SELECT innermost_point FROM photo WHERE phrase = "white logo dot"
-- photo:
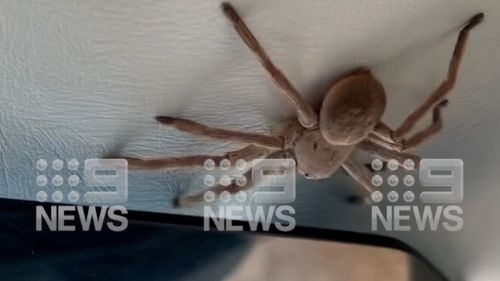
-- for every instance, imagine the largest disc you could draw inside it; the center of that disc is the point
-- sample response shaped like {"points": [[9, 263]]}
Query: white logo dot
{"points": [[241, 164], [393, 180], [225, 180], [73, 180], [393, 164], [209, 196], [209, 180], [209, 164], [225, 196], [73, 196], [41, 196], [409, 196], [377, 180], [73, 164], [377, 196], [57, 180], [409, 180], [57, 196], [225, 164], [42, 180], [241, 196], [241, 180], [377, 164], [41, 164], [57, 164], [409, 164], [393, 196]]}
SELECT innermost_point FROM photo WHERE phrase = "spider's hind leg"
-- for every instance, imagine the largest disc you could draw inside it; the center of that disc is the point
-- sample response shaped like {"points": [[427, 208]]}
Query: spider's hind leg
{"points": [[385, 133], [306, 113], [447, 85]]}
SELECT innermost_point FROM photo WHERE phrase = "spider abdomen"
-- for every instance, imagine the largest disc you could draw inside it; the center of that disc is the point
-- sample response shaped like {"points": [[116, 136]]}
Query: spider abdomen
{"points": [[351, 108]]}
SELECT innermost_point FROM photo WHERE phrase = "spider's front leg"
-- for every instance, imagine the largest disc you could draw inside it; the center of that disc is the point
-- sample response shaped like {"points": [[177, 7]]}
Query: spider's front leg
{"points": [[270, 142], [233, 188], [359, 173], [387, 154], [247, 153], [197, 198]]}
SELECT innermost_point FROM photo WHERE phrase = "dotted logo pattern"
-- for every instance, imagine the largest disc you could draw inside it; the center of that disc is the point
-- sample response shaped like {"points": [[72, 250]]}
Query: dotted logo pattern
{"points": [[225, 180], [393, 181], [57, 180]]}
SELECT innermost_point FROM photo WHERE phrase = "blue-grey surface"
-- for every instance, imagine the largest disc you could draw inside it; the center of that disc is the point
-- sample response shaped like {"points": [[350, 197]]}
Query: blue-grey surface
{"points": [[83, 79], [145, 251]]}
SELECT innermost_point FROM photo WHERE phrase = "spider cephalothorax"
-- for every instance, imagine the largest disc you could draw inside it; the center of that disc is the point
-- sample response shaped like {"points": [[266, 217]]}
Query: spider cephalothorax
{"points": [[321, 141]]}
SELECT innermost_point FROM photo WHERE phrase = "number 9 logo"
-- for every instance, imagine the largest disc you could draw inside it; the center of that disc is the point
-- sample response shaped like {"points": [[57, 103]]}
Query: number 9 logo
{"points": [[442, 173], [106, 173]]}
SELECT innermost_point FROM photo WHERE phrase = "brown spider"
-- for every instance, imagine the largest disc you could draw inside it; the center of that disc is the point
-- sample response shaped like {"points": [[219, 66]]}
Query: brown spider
{"points": [[321, 141]]}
